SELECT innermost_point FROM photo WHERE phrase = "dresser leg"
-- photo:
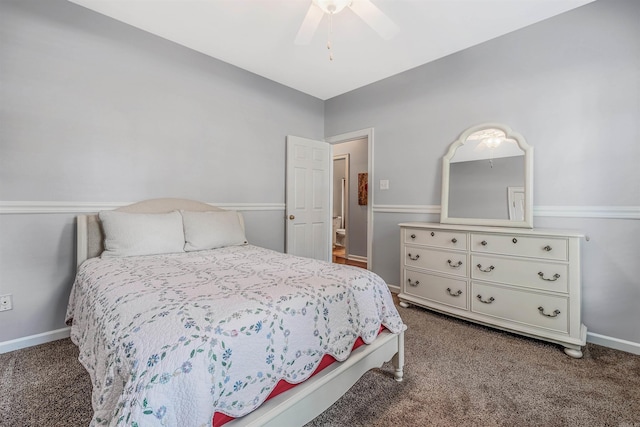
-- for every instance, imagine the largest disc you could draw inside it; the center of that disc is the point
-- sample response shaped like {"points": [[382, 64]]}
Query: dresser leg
{"points": [[404, 304], [576, 354]]}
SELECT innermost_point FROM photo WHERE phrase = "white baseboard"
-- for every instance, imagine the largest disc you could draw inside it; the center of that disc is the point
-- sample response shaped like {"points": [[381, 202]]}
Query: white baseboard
{"points": [[45, 337], [357, 258], [605, 341], [615, 343], [394, 289], [30, 341]]}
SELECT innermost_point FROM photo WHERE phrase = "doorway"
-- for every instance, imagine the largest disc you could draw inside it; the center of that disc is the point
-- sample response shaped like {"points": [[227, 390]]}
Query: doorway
{"points": [[351, 199], [340, 214]]}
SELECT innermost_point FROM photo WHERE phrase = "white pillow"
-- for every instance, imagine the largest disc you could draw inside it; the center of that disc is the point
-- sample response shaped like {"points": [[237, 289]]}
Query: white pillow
{"points": [[212, 229], [129, 234]]}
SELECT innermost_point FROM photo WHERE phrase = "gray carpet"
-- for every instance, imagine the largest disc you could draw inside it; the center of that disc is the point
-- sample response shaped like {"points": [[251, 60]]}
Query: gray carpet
{"points": [[456, 373]]}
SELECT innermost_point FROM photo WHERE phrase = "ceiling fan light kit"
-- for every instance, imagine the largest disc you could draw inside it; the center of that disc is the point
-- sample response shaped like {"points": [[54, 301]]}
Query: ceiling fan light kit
{"points": [[366, 10]]}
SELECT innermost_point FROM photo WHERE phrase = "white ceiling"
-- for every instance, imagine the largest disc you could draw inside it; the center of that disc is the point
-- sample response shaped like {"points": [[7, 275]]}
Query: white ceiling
{"points": [[258, 35]]}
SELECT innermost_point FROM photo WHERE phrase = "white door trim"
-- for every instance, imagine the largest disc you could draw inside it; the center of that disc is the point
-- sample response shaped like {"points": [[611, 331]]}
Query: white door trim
{"points": [[351, 136]]}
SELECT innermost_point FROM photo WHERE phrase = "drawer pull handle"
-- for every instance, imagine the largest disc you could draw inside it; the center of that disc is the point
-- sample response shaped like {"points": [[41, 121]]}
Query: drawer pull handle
{"points": [[489, 301], [457, 294], [485, 270], [483, 243], [514, 240], [554, 314], [413, 258], [433, 234], [413, 236], [547, 248], [553, 279], [416, 283], [454, 240], [459, 263]]}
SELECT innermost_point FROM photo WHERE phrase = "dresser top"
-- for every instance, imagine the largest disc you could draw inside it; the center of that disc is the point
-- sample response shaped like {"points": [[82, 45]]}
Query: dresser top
{"points": [[497, 230]]}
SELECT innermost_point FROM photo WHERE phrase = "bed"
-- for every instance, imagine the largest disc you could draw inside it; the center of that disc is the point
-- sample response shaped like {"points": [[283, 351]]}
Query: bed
{"points": [[171, 337]]}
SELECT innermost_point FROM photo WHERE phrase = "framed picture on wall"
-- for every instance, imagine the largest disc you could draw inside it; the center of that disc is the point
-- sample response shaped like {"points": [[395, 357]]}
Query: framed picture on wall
{"points": [[363, 190]]}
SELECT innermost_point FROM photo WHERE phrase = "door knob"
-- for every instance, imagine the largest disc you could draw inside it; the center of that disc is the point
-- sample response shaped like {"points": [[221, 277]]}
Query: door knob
{"points": [[292, 217]]}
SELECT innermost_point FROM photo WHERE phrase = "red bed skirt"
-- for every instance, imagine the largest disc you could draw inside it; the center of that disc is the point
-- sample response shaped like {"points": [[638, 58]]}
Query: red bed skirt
{"points": [[282, 386]]}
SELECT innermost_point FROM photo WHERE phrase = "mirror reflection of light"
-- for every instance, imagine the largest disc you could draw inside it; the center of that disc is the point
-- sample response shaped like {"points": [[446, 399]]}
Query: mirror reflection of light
{"points": [[492, 143], [485, 144]]}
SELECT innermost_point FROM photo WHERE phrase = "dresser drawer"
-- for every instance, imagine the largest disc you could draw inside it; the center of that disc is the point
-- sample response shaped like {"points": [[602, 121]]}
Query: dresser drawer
{"points": [[528, 308], [518, 245], [529, 273], [437, 238], [443, 290], [449, 262]]}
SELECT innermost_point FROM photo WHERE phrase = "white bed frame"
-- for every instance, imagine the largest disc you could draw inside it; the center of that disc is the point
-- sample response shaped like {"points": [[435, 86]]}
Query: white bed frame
{"points": [[301, 404]]}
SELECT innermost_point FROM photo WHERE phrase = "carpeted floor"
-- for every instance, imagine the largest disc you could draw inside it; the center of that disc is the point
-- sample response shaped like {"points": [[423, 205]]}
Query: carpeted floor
{"points": [[456, 373]]}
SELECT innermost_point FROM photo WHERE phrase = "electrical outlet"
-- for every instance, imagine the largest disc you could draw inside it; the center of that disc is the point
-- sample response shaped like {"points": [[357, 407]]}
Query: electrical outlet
{"points": [[5, 302]]}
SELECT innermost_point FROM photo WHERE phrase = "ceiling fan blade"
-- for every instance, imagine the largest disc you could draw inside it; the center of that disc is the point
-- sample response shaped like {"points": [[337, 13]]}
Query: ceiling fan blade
{"points": [[373, 16], [309, 25]]}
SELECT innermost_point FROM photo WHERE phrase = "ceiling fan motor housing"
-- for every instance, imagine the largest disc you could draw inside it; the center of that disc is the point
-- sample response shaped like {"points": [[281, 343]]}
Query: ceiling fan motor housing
{"points": [[332, 6]]}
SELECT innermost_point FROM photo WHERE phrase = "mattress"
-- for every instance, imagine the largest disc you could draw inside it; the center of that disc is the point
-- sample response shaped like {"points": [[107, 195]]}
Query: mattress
{"points": [[172, 339]]}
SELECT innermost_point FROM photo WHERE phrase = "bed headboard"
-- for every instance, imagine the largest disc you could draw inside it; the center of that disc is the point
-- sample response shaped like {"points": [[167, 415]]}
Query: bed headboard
{"points": [[90, 236]]}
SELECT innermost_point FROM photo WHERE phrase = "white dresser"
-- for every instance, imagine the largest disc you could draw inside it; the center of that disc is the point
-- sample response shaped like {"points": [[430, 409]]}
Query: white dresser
{"points": [[525, 281]]}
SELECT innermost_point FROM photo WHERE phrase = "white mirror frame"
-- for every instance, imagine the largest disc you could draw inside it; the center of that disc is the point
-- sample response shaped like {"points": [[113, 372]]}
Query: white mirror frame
{"points": [[528, 180]]}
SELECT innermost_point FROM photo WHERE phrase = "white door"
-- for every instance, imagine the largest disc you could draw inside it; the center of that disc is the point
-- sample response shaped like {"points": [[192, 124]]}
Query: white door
{"points": [[516, 203], [308, 198]]}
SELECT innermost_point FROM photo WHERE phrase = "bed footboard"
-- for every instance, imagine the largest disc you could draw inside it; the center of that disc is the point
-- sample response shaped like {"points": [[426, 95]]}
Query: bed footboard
{"points": [[306, 401]]}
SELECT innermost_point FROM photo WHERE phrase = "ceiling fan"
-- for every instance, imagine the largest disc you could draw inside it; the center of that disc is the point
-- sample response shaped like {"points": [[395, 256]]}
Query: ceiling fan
{"points": [[366, 10]]}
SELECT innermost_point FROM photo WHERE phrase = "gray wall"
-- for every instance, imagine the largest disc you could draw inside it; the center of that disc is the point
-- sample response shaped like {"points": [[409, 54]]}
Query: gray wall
{"points": [[357, 221], [93, 110], [571, 86]]}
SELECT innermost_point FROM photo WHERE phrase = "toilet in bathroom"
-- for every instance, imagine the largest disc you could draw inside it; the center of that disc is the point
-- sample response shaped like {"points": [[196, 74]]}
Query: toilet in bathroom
{"points": [[338, 231]]}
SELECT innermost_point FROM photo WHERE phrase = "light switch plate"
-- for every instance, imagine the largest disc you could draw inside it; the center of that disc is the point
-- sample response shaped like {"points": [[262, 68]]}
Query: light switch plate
{"points": [[5, 302]]}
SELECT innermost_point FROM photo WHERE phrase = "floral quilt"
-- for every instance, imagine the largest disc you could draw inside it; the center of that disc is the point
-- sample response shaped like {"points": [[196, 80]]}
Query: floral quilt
{"points": [[170, 339]]}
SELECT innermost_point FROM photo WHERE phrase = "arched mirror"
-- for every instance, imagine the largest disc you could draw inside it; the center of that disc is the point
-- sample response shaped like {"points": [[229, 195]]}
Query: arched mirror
{"points": [[487, 178]]}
